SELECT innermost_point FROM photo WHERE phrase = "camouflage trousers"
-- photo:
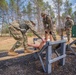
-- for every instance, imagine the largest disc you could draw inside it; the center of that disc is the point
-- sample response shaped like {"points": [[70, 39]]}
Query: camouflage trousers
{"points": [[68, 33], [52, 32], [21, 39]]}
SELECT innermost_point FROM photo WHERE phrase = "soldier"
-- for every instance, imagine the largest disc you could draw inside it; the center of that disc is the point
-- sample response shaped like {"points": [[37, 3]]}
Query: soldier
{"points": [[68, 26], [47, 22], [18, 30]]}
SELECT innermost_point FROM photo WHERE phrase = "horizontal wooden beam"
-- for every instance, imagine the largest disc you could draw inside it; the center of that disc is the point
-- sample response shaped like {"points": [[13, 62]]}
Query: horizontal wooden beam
{"points": [[19, 55], [56, 59], [57, 42]]}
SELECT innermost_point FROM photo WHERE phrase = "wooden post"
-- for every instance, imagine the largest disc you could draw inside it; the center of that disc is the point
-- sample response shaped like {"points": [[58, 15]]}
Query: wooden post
{"points": [[62, 52], [48, 57]]}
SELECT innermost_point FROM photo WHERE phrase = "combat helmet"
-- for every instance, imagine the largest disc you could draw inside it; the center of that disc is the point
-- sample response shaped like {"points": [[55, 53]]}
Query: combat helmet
{"points": [[43, 13], [68, 16]]}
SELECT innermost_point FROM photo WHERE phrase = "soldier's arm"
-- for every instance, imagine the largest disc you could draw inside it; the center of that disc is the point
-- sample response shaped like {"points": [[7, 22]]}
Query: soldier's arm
{"points": [[44, 25], [72, 22], [30, 25], [32, 29], [17, 28]]}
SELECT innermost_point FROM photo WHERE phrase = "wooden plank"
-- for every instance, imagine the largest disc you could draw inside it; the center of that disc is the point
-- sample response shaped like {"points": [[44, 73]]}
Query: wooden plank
{"points": [[56, 59], [57, 42], [19, 55]]}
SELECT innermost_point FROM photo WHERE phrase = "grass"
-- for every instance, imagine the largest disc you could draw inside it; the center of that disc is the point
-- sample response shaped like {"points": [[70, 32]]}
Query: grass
{"points": [[29, 34]]}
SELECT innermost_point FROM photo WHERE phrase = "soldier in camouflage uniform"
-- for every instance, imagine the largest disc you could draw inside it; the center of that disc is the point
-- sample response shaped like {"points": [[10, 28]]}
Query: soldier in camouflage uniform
{"points": [[47, 22], [68, 26], [18, 30]]}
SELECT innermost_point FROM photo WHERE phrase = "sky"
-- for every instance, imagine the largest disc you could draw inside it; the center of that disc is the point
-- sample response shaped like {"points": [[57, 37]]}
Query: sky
{"points": [[71, 1]]}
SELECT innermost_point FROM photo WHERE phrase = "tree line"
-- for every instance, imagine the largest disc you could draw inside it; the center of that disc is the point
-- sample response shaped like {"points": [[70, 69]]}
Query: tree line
{"points": [[31, 10]]}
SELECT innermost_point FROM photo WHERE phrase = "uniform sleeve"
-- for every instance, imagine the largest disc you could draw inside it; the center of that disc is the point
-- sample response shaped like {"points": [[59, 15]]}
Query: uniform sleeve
{"points": [[65, 24], [49, 20], [15, 24], [44, 24], [33, 30], [72, 22]]}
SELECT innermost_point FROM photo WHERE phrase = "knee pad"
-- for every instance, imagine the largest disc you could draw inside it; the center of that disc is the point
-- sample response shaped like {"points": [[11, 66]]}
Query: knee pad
{"points": [[50, 32], [46, 32]]}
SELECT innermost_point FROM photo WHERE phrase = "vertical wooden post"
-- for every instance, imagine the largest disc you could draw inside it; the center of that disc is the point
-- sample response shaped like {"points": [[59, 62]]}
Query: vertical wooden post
{"points": [[48, 57], [62, 52]]}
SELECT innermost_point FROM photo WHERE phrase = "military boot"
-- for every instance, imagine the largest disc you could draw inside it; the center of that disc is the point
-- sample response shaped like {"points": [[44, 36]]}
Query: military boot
{"points": [[12, 53], [28, 51]]}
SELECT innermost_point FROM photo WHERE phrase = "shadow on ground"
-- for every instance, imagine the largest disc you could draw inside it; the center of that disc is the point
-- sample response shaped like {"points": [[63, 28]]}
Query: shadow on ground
{"points": [[28, 65]]}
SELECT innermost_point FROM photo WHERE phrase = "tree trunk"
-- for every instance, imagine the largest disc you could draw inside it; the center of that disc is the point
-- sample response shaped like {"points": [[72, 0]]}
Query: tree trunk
{"points": [[2, 23]]}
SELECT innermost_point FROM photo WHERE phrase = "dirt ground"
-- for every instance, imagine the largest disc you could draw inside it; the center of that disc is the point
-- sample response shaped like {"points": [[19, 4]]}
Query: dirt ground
{"points": [[7, 42], [28, 65]]}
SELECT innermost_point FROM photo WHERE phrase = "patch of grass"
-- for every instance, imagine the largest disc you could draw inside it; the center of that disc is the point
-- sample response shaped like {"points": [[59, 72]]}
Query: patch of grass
{"points": [[30, 34]]}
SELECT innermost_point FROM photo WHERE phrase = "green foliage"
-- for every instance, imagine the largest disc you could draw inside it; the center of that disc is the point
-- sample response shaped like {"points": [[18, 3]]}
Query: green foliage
{"points": [[67, 7], [24, 11], [40, 3], [5, 28], [75, 12], [3, 5], [29, 10], [29, 34], [13, 5]]}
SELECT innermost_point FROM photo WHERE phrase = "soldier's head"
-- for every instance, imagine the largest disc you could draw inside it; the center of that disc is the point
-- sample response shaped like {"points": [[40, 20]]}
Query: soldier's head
{"points": [[43, 14], [68, 17]]}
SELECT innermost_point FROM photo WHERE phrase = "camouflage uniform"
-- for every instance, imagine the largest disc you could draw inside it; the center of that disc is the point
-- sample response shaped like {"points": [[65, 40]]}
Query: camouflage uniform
{"points": [[68, 26], [18, 30], [48, 26]]}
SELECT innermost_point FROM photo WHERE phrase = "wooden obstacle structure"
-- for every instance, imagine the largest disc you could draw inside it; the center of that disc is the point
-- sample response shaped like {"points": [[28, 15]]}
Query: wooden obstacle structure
{"points": [[49, 50]]}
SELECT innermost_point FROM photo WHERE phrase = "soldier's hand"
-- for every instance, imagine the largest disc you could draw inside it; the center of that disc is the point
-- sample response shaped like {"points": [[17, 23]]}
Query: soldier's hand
{"points": [[43, 40]]}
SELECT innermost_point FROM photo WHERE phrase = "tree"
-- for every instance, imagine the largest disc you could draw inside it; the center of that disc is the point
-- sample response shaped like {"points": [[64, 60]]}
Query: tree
{"points": [[39, 7], [13, 6], [29, 10], [58, 5], [24, 12], [3, 9], [68, 8], [49, 10], [75, 17]]}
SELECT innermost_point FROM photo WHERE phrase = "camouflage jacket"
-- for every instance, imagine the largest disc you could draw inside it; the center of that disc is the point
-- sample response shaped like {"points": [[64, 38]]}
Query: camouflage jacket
{"points": [[24, 26], [69, 23], [47, 22]]}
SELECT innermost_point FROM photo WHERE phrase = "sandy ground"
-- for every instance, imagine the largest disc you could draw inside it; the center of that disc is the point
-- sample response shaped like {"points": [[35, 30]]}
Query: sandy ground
{"points": [[7, 42]]}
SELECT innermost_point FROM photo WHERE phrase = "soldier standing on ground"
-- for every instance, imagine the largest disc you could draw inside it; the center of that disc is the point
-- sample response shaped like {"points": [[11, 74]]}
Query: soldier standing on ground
{"points": [[68, 27], [47, 22], [18, 30]]}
